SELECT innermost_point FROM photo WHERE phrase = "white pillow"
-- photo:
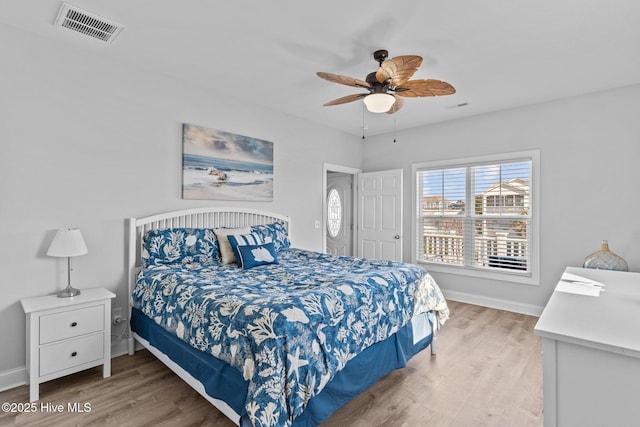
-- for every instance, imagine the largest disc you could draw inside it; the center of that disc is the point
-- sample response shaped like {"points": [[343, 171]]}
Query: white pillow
{"points": [[226, 253]]}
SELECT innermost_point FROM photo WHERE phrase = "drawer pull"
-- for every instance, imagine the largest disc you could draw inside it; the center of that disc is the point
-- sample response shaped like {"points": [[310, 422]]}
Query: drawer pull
{"points": [[74, 324], [74, 354]]}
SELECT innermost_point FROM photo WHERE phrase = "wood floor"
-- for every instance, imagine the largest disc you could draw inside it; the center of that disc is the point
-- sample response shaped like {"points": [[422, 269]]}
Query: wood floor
{"points": [[487, 372]]}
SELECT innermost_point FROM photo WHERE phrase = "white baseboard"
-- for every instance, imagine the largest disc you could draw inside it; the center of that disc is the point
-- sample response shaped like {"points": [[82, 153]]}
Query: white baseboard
{"points": [[119, 348], [497, 303], [13, 378]]}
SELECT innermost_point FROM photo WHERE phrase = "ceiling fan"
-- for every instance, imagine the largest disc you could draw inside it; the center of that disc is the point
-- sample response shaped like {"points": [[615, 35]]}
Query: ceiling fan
{"points": [[389, 84]]}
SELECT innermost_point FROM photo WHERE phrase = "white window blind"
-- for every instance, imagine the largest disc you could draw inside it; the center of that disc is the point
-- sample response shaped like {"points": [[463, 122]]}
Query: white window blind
{"points": [[476, 215]]}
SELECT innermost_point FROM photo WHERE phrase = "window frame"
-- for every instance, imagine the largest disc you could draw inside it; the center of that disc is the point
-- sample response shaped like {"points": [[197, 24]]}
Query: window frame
{"points": [[467, 270]]}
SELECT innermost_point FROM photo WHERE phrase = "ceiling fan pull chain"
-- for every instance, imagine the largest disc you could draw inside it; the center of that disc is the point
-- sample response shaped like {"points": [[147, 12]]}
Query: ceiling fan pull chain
{"points": [[394, 129], [363, 121]]}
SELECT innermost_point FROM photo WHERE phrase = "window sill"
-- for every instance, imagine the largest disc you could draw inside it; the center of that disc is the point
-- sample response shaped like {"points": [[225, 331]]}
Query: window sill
{"points": [[532, 280]]}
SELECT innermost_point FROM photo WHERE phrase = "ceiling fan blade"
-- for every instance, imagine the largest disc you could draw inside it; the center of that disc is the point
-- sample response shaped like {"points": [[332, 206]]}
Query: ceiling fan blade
{"points": [[396, 105], [345, 99], [398, 70], [344, 80], [427, 87]]}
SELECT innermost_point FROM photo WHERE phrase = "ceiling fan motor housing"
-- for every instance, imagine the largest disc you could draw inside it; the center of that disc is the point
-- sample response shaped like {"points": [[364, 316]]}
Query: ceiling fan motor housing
{"points": [[376, 86]]}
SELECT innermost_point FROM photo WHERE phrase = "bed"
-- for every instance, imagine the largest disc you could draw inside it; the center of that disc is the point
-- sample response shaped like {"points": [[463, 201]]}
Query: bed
{"points": [[270, 334]]}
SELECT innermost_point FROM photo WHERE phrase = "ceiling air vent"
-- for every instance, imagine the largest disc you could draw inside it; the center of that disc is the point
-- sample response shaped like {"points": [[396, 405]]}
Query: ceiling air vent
{"points": [[86, 23]]}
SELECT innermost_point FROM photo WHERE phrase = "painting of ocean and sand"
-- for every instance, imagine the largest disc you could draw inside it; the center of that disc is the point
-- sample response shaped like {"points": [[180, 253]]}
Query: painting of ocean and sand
{"points": [[218, 165]]}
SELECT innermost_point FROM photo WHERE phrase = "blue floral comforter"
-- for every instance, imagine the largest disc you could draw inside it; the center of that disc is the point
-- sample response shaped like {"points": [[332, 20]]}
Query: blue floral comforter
{"points": [[288, 327]]}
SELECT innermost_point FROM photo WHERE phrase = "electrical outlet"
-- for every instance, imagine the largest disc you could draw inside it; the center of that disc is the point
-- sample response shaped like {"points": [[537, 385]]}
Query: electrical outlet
{"points": [[116, 316]]}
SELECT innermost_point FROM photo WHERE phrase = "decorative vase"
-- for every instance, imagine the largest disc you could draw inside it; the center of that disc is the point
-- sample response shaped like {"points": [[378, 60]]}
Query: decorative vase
{"points": [[604, 259]]}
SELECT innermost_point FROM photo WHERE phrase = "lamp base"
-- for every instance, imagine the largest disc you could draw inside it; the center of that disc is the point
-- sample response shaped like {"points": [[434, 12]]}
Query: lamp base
{"points": [[68, 292]]}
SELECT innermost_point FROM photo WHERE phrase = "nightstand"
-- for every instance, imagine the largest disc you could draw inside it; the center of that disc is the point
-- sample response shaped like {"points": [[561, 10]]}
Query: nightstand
{"points": [[67, 335]]}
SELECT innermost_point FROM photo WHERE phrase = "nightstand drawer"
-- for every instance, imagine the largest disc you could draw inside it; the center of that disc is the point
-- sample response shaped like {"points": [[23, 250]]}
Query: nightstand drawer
{"points": [[72, 323], [67, 354]]}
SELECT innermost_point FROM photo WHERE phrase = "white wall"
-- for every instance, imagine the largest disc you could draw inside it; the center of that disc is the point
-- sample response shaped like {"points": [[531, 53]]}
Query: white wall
{"points": [[88, 142], [590, 171]]}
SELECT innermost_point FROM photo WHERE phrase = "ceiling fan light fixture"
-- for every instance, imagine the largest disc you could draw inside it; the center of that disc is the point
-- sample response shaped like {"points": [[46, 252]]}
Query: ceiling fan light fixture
{"points": [[379, 102]]}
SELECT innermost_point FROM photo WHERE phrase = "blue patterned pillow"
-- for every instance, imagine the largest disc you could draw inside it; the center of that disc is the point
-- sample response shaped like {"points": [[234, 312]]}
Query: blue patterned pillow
{"points": [[275, 232], [236, 240], [180, 246], [250, 256]]}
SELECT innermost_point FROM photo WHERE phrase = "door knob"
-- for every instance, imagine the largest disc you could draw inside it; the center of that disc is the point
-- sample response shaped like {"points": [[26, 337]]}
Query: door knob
{"points": [[397, 236]]}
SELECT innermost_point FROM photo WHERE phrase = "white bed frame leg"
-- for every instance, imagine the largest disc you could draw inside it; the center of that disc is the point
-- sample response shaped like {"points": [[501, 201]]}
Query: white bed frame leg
{"points": [[433, 340]]}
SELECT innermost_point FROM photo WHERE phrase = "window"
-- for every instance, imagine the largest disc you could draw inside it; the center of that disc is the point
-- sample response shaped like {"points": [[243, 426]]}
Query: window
{"points": [[478, 216], [334, 213]]}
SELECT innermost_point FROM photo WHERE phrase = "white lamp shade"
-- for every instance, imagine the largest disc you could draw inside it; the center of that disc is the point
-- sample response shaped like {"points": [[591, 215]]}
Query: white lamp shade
{"points": [[67, 242], [379, 102]]}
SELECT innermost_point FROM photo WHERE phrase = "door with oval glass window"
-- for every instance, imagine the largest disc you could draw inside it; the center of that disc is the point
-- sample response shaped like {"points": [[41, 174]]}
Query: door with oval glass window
{"points": [[339, 213]]}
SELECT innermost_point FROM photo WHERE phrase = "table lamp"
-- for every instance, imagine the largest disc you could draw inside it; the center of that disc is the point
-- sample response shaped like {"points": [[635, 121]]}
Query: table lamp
{"points": [[67, 242]]}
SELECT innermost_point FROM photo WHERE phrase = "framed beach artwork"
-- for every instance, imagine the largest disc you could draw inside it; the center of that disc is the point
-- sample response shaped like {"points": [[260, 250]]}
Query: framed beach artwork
{"points": [[218, 165]]}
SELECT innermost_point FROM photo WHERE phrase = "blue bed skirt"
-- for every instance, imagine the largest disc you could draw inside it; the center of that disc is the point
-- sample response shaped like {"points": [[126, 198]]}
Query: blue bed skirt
{"points": [[222, 381]]}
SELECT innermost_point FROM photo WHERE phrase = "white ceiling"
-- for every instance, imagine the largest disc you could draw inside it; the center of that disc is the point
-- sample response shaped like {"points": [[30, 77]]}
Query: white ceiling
{"points": [[497, 54]]}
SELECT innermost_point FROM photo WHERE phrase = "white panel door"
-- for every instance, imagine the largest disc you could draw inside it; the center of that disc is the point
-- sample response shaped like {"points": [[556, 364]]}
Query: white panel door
{"points": [[380, 215]]}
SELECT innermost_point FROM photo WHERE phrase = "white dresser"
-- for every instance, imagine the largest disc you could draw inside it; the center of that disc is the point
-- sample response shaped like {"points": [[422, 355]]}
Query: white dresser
{"points": [[67, 335], [591, 353]]}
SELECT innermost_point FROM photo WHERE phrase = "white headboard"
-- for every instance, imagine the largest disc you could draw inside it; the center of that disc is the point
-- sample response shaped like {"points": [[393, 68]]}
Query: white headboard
{"points": [[213, 217]]}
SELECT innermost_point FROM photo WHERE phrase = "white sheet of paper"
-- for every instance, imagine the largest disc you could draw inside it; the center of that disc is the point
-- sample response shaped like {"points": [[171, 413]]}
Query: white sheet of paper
{"points": [[573, 278], [574, 288]]}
